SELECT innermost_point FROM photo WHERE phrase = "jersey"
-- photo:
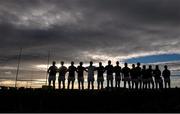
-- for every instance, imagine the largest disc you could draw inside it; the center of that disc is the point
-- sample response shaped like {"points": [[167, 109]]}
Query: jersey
{"points": [[126, 71], [72, 70], [166, 74], [100, 71], [91, 70], [109, 69], [52, 70], [62, 71], [80, 71], [117, 70]]}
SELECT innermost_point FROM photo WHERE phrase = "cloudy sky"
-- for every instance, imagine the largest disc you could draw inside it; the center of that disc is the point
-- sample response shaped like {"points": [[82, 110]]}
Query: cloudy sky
{"points": [[146, 31]]}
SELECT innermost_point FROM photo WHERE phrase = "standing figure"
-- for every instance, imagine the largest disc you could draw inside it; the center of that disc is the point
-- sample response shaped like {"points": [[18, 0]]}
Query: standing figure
{"points": [[100, 77], [166, 75], [52, 74], [71, 78], [157, 76], [109, 70], [126, 75], [134, 77], [144, 77], [117, 70], [150, 77], [91, 70], [62, 73], [80, 72], [138, 73]]}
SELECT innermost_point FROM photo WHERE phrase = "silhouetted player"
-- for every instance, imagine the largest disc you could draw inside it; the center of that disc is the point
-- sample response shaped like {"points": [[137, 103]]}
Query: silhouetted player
{"points": [[100, 77], [157, 76], [52, 74], [91, 70], [62, 73], [117, 70], [138, 73], [166, 75], [71, 78], [126, 75], [109, 70], [80, 71], [150, 77], [144, 77], [134, 77]]}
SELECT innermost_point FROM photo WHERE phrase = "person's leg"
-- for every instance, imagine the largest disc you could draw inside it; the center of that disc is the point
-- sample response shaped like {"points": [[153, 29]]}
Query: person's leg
{"points": [[73, 84], [88, 84], [101, 84], [98, 84], [124, 84], [63, 84], [107, 83], [53, 84], [116, 83], [79, 84], [92, 85], [111, 83], [68, 84], [165, 84], [82, 82], [152, 82], [169, 84], [49, 82], [129, 83], [59, 84]]}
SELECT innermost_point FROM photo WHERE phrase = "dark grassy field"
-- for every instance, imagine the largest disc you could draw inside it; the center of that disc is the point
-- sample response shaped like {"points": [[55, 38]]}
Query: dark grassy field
{"points": [[116, 100]]}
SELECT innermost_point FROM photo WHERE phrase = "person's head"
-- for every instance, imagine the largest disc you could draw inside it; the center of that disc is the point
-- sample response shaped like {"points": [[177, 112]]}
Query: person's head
{"points": [[81, 63], [91, 63], [54, 63], [117, 63], [100, 63], [109, 62], [165, 66], [144, 66], [157, 67], [72, 63], [138, 64], [62, 63], [150, 67], [125, 64], [133, 65]]}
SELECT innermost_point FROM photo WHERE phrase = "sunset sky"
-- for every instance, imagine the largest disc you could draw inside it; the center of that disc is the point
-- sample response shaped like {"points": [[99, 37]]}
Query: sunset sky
{"points": [[146, 31]]}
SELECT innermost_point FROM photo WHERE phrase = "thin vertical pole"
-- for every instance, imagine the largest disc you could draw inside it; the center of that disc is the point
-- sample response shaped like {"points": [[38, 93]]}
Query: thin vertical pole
{"points": [[47, 66], [19, 60]]}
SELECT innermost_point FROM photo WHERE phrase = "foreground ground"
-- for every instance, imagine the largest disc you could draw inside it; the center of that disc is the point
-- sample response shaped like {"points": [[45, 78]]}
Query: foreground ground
{"points": [[116, 100]]}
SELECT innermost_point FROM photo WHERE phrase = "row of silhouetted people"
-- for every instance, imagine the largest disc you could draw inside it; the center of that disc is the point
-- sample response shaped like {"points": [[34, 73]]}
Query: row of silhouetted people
{"points": [[136, 77]]}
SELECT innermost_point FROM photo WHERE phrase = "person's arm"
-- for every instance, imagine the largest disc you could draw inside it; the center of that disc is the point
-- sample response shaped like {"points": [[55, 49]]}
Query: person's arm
{"points": [[48, 70]]}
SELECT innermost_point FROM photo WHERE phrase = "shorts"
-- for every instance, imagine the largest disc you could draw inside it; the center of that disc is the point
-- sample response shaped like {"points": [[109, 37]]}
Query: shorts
{"points": [[150, 80], [139, 79], [71, 78], [90, 79], [100, 79], [118, 78], [145, 80], [158, 80], [126, 79], [166, 79], [80, 79], [61, 78], [109, 77], [52, 78], [134, 80]]}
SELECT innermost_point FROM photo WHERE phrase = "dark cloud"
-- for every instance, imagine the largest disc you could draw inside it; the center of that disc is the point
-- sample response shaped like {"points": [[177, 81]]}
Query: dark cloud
{"points": [[87, 29]]}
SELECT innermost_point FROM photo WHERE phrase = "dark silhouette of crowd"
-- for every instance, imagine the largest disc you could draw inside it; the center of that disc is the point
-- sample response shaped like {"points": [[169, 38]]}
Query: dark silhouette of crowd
{"points": [[135, 77]]}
